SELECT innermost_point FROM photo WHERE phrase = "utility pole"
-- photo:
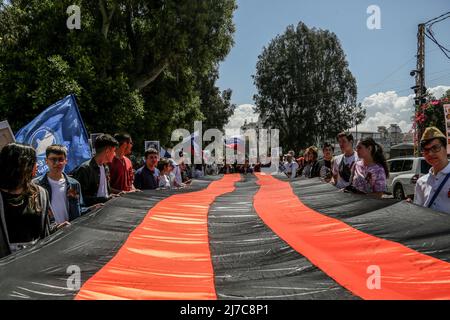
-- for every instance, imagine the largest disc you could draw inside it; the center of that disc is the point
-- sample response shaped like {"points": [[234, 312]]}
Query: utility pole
{"points": [[420, 89]]}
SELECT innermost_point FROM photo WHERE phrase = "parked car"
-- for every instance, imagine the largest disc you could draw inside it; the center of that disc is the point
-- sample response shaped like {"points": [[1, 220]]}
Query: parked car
{"points": [[404, 173]]}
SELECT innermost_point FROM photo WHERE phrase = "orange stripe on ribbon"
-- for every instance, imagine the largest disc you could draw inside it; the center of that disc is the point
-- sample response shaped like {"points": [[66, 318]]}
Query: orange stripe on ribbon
{"points": [[352, 258], [167, 256]]}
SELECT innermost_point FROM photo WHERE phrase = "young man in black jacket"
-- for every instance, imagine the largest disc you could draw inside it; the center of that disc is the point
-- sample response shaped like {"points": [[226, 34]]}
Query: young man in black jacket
{"points": [[93, 174]]}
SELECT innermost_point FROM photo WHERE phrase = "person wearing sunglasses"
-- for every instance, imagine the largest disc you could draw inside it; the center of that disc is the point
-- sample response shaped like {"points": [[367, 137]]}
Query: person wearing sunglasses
{"points": [[64, 192], [433, 189]]}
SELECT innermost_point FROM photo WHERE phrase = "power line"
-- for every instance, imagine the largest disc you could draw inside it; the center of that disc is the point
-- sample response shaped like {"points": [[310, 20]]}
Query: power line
{"points": [[391, 74], [436, 72], [383, 82], [435, 79], [400, 81], [443, 49], [440, 77], [437, 17], [430, 34]]}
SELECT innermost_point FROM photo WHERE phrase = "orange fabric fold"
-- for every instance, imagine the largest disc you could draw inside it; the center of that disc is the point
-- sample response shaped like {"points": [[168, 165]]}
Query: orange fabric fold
{"points": [[167, 256], [352, 258]]}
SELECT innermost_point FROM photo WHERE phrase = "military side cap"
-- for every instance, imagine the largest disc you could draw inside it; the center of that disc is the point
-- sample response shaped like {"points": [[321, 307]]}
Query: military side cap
{"points": [[432, 133]]}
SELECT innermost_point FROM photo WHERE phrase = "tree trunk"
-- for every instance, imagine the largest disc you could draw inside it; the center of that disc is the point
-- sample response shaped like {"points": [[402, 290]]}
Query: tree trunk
{"points": [[144, 80], [106, 17]]}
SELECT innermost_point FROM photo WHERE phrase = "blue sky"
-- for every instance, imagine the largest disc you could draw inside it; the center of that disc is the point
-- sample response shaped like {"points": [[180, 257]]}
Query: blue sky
{"points": [[380, 60]]}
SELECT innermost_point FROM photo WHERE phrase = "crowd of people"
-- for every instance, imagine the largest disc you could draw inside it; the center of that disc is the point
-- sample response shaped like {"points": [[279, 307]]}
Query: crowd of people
{"points": [[245, 168], [32, 208], [363, 168]]}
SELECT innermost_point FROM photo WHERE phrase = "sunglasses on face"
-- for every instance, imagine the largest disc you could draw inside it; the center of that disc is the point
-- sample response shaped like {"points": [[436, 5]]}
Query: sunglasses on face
{"points": [[56, 160], [434, 149]]}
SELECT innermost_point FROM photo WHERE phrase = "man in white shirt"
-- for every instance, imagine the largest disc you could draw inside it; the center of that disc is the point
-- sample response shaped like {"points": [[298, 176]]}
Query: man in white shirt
{"points": [[343, 164], [175, 174], [64, 192], [290, 166], [102, 191], [433, 189], [59, 200]]}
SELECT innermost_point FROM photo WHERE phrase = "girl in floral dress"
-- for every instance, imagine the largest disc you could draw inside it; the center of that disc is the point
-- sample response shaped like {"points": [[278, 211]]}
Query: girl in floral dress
{"points": [[371, 171]]}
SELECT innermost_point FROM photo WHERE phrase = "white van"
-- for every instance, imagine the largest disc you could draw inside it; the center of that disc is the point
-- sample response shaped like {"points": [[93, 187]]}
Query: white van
{"points": [[404, 173]]}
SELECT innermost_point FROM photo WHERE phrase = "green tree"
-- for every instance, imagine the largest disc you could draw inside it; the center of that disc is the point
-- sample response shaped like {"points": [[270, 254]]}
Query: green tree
{"points": [[135, 65], [215, 105], [305, 88], [431, 113]]}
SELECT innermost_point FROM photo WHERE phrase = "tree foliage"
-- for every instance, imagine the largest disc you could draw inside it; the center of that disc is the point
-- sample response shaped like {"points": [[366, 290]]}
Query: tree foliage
{"points": [[305, 88], [431, 113], [135, 65], [216, 104]]}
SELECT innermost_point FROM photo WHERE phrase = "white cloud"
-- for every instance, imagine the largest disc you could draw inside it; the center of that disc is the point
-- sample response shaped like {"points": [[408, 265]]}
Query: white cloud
{"points": [[383, 109], [242, 113], [439, 91], [386, 108]]}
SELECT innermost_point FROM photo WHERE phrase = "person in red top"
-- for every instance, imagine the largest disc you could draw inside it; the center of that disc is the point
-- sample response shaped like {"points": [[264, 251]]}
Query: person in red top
{"points": [[121, 168]]}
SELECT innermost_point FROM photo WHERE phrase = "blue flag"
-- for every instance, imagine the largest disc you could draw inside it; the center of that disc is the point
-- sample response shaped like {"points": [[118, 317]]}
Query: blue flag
{"points": [[60, 123]]}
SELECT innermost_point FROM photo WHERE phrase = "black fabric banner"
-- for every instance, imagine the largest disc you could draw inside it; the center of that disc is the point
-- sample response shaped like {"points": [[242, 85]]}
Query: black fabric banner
{"points": [[249, 259], [418, 228], [251, 262], [89, 243]]}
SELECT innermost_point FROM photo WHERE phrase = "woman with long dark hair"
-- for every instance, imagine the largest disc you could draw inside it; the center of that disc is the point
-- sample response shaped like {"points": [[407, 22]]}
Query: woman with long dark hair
{"points": [[24, 206], [371, 171]]}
